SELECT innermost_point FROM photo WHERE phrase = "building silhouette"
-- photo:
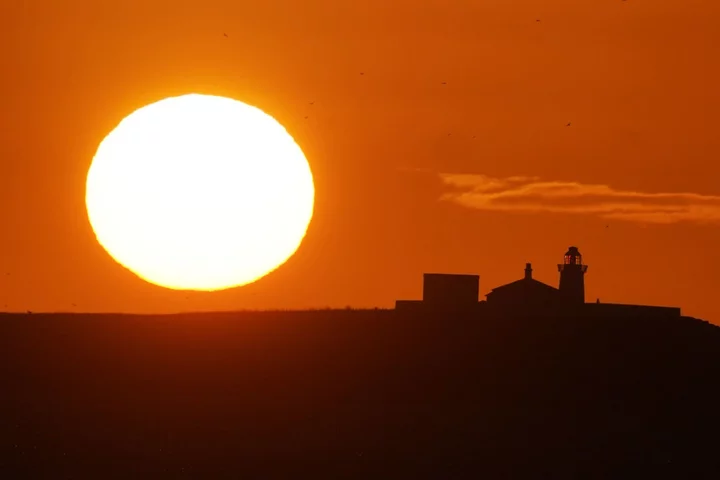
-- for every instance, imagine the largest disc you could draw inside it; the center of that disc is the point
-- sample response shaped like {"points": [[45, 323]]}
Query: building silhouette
{"points": [[572, 277], [450, 292], [532, 293]]}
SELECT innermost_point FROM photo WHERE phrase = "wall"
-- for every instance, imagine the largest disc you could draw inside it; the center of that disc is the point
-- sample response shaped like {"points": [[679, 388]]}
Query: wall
{"points": [[450, 289]]}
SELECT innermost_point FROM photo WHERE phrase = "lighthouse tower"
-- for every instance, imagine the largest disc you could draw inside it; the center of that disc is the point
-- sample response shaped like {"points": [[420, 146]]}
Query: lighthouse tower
{"points": [[572, 277]]}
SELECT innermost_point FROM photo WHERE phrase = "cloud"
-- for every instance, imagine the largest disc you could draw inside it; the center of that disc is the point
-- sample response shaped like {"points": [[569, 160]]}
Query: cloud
{"points": [[533, 195]]}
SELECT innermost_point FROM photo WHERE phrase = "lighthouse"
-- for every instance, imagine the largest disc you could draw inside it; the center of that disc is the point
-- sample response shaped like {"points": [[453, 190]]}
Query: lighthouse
{"points": [[572, 277]]}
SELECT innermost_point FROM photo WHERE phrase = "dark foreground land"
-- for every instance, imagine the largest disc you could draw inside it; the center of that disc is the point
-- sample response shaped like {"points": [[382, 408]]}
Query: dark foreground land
{"points": [[357, 394]]}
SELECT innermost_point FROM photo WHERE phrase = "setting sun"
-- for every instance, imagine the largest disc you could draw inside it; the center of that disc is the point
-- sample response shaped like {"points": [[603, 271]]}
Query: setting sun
{"points": [[200, 193]]}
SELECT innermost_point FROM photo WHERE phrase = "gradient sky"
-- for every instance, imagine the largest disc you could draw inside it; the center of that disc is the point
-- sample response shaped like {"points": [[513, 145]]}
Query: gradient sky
{"points": [[477, 175]]}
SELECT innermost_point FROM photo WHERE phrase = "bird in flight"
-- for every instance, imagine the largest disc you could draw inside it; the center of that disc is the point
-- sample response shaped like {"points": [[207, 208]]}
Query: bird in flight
{"points": [[568, 124]]}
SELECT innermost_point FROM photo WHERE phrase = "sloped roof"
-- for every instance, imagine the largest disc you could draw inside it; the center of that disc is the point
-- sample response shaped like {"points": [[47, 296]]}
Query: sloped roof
{"points": [[525, 284]]}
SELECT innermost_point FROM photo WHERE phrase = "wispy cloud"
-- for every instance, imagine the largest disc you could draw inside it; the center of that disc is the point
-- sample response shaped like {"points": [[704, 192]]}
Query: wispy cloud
{"points": [[533, 195]]}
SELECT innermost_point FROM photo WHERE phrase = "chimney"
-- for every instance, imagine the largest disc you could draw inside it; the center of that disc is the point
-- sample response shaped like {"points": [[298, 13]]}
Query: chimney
{"points": [[528, 271]]}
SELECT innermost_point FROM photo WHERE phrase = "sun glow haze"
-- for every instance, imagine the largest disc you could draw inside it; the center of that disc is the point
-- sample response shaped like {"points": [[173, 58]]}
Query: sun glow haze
{"points": [[200, 192]]}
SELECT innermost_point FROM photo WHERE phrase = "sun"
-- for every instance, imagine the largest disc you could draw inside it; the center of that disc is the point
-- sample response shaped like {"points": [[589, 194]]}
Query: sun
{"points": [[200, 192]]}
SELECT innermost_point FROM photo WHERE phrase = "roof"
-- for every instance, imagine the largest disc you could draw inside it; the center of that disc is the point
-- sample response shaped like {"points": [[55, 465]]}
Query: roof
{"points": [[525, 284], [573, 251], [450, 275]]}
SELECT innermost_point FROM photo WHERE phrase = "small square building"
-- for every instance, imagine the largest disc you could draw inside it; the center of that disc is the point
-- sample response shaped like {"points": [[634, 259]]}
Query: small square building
{"points": [[445, 291], [450, 289]]}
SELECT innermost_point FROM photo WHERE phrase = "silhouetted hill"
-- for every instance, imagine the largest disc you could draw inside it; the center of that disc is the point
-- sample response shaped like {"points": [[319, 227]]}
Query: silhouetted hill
{"points": [[357, 394]]}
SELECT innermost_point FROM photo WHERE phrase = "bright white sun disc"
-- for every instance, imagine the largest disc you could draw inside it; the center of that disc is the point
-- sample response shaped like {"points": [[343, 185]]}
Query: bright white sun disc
{"points": [[200, 192]]}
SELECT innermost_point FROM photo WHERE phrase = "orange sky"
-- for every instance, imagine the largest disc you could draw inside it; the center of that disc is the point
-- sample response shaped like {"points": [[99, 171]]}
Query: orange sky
{"points": [[637, 79]]}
